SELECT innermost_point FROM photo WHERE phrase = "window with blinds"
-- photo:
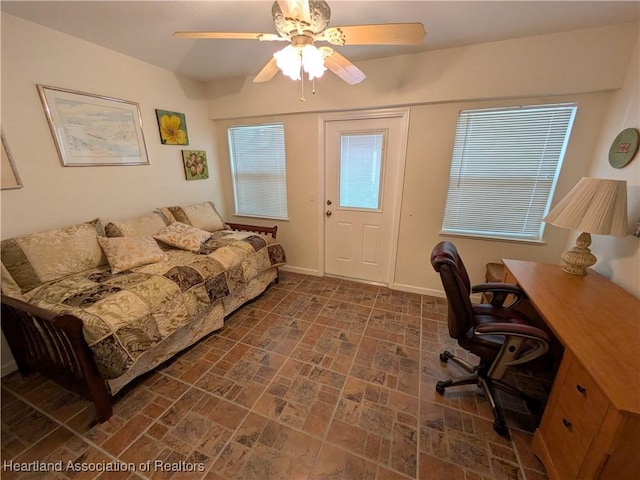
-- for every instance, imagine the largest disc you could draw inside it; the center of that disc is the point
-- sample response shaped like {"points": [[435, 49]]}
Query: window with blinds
{"points": [[258, 169], [504, 169]]}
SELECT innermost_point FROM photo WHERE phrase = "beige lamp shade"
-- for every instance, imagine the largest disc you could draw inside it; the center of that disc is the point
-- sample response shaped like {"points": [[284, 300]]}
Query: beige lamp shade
{"points": [[594, 205]]}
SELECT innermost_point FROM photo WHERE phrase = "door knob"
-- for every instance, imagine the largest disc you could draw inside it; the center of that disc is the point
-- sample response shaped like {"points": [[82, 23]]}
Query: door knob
{"points": [[328, 202], [328, 213]]}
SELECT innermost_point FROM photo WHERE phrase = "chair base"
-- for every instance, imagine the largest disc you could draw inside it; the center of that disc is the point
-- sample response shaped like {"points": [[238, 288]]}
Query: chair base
{"points": [[478, 375]]}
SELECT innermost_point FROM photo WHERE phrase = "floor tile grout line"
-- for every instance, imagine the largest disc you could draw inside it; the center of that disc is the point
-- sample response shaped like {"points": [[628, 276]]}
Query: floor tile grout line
{"points": [[324, 440], [251, 410], [63, 424]]}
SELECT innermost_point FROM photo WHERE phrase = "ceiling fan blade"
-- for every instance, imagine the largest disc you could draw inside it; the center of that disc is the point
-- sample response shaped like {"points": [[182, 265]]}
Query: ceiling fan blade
{"points": [[298, 9], [268, 72], [382, 34], [344, 68], [231, 36]]}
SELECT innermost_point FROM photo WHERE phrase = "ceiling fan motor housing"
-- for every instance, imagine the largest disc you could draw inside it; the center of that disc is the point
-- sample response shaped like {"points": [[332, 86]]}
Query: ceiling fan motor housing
{"points": [[320, 14]]}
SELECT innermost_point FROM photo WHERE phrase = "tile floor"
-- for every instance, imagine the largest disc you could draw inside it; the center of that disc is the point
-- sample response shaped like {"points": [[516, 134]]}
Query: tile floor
{"points": [[317, 379]]}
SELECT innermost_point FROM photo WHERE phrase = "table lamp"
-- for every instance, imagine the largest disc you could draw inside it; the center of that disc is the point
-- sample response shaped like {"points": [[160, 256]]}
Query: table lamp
{"points": [[594, 205]]}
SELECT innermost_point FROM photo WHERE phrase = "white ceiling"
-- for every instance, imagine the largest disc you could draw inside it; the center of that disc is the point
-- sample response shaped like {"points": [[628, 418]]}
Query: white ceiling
{"points": [[143, 29]]}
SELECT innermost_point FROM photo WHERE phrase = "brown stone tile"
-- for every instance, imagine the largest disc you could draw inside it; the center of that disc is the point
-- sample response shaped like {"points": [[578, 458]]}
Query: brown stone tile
{"points": [[270, 299], [124, 436], [47, 449], [31, 427], [347, 436], [15, 382], [344, 316], [328, 347], [289, 280], [277, 333], [399, 302], [356, 293], [394, 327], [241, 322], [337, 382], [387, 364], [319, 286], [242, 374], [336, 464], [300, 306], [437, 469]]}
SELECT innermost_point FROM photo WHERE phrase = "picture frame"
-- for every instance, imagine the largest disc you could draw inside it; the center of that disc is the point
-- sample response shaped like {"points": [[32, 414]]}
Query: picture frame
{"points": [[92, 130], [9, 178], [195, 164], [172, 127]]}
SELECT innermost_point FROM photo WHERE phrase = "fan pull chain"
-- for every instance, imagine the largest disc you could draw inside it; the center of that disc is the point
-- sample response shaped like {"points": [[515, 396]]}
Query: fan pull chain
{"points": [[302, 99], [313, 86]]}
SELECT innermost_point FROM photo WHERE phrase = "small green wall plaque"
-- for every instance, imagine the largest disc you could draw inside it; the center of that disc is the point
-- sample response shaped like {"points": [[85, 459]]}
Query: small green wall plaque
{"points": [[624, 148]]}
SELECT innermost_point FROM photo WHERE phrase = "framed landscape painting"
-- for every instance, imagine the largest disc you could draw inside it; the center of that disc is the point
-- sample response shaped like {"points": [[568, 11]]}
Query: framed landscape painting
{"points": [[195, 164], [9, 175], [92, 129]]}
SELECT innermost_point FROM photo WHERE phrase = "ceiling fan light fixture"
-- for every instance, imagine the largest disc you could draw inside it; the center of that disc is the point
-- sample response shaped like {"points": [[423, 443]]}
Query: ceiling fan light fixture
{"points": [[292, 60], [289, 61], [313, 61]]}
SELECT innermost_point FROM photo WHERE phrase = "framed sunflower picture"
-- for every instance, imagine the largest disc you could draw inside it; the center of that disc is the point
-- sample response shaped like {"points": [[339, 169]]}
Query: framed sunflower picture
{"points": [[195, 164], [173, 128]]}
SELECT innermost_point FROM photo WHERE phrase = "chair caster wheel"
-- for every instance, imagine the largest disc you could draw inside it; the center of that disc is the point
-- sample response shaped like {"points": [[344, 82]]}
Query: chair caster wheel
{"points": [[445, 356], [440, 388], [500, 427]]}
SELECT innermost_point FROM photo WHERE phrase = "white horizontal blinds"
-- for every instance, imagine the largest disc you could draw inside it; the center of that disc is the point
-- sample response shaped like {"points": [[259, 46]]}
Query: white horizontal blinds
{"points": [[504, 169], [258, 167]]}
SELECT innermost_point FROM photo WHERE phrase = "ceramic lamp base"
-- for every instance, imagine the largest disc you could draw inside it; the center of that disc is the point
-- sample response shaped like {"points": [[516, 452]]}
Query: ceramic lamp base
{"points": [[579, 258]]}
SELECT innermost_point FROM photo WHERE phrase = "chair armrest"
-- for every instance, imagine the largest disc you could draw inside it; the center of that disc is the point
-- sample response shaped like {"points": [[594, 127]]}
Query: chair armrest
{"points": [[500, 292], [516, 336], [513, 329]]}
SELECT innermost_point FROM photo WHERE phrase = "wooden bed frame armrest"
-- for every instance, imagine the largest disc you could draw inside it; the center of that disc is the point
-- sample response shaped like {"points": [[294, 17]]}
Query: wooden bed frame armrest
{"points": [[54, 345], [242, 227]]}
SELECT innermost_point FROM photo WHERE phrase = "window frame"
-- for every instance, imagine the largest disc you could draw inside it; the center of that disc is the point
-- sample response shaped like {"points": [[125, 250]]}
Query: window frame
{"points": [[280, 170], [471, 170]]}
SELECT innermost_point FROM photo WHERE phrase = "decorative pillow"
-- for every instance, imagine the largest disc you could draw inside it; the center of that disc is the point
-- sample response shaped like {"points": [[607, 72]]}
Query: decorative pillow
{"points": [[124, 253], [143, 226], [202, 215], [181, 235], [37, 258]]}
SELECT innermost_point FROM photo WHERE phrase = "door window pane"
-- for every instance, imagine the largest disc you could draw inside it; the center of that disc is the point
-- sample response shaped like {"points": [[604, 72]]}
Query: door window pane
{"points": [[360, 170]]}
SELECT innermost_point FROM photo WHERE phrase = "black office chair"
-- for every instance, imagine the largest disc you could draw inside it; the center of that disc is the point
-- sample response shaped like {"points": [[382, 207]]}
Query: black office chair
{"points": [[498, 334]]}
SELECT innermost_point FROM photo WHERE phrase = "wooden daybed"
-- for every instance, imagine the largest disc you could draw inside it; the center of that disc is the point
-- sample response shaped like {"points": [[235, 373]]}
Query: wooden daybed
{"points": [[79, 339]]}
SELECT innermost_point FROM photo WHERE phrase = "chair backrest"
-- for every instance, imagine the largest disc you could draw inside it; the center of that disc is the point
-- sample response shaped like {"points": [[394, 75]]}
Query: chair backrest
{"points": [[455, 280]]}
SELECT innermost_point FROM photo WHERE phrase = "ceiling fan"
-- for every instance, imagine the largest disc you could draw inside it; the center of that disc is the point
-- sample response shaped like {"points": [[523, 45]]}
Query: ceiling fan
{"points": [[304, 22]]}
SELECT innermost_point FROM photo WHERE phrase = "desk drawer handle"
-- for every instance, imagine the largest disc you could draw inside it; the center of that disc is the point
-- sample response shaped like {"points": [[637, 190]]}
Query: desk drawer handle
{"points": [[566, 423], [582, 390]]}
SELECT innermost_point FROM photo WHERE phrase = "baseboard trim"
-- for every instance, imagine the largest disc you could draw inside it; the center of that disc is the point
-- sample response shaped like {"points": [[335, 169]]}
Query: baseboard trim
{"points": [[302, 271], [8, 367], [420, 290]]}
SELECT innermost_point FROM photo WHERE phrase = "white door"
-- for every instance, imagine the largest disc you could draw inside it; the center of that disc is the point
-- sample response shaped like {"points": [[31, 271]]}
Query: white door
{"points": [[364, 164]]}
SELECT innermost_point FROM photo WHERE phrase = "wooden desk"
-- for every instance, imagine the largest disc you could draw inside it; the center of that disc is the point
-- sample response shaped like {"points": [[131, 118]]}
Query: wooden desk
{"points": [[591, 425]]}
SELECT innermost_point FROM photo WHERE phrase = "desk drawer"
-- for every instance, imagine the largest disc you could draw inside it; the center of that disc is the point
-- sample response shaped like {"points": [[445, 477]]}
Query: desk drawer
{"points": [[575, 421], [583, 397]]}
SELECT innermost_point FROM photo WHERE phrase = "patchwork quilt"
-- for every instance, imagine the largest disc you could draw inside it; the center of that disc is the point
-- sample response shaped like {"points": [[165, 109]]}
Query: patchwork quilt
{"points": [[126, 314]]}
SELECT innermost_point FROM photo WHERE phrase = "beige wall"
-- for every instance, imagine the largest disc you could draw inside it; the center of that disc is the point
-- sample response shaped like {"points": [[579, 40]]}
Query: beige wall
{"points": [[55, 196], [584, 66], [430, 145], [619, 258], [571, 62], [435, 84]]}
